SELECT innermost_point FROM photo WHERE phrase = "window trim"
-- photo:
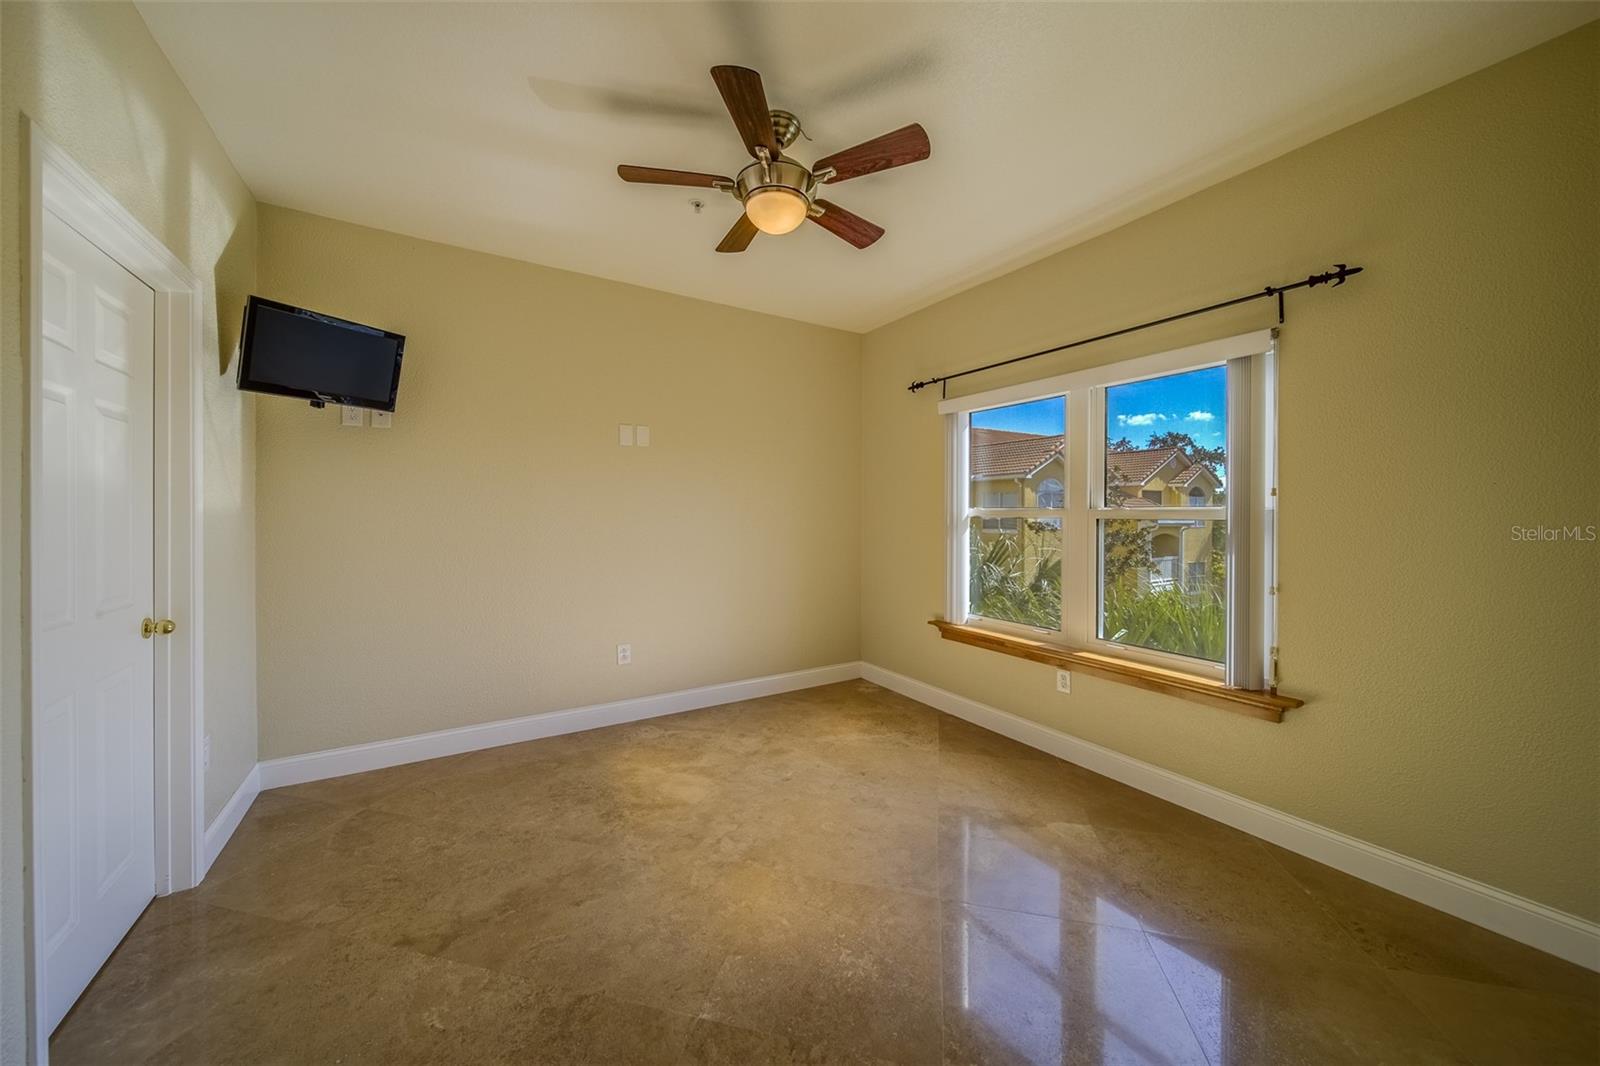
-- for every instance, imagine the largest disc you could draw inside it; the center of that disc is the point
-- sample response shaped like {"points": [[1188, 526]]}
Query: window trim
{"points": [[1249, 507]]}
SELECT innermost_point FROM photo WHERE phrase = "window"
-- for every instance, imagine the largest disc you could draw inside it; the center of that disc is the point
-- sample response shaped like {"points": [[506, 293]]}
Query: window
{"points": [[1014, 551], [1163, 576], [1125, 509]]}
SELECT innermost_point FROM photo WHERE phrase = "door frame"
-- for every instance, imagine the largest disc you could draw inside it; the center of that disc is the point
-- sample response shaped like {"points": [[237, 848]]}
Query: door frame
{"points": [[57, 183]]}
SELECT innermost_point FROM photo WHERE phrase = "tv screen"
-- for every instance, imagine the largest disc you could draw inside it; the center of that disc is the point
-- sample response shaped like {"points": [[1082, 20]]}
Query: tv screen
{"points": [[290, 351]]}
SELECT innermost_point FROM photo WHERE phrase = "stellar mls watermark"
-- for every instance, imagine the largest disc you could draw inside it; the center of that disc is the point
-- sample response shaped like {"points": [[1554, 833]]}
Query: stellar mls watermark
{"points": [[1549, 534]]}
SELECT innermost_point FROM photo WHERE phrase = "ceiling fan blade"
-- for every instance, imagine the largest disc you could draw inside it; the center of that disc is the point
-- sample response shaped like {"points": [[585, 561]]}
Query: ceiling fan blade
{"points": [[908, 144], [841, 223], [747, 103], [739, 237], [658, 176]]}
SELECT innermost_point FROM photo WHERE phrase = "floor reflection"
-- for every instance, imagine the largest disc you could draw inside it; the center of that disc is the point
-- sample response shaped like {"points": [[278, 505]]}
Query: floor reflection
{"points": [[994, 868], [1003, 976], [1205, 999], [999, 974], [1045, 991]]}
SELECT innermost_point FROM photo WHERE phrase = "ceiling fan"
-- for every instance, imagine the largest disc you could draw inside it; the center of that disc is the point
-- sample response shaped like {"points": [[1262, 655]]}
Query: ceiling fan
{"points": [[777, 192]]}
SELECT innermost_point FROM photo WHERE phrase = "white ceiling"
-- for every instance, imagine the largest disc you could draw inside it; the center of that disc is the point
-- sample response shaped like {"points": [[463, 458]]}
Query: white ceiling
{"points": [[489, 126]]}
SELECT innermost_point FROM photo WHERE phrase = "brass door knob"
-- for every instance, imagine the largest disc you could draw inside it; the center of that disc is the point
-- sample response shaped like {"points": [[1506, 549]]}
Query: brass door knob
{"points": [[150, 627]]}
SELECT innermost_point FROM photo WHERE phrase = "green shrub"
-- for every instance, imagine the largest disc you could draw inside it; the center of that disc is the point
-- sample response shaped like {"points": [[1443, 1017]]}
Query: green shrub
{"points": [[1172, 620], [1184, 623], [1001, 586]]}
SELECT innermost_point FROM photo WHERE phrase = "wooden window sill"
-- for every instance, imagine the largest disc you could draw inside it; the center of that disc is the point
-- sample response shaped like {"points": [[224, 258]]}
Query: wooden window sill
{"points": [[1268, 706]]}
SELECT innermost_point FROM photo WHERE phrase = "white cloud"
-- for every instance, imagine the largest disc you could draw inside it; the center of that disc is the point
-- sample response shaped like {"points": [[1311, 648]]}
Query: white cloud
{"points": [[1148, 419], [1201, 416]]}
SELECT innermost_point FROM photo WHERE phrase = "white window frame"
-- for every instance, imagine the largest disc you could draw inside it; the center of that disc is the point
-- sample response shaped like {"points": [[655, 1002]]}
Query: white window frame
{"points": [[1250, 506]]}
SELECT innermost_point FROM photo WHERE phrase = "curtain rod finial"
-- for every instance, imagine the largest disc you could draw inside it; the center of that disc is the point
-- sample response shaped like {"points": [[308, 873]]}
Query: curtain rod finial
{"points": [[1340, 273]]}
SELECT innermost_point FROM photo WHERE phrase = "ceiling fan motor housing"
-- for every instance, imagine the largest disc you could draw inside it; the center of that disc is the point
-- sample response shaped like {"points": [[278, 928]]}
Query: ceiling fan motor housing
{"points": [[785, 126], [781, 173]]}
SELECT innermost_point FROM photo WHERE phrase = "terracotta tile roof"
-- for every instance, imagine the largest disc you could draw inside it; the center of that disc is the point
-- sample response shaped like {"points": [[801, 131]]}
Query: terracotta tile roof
{"points": [[1135, 467], [1189, 475], [1005, 453]]}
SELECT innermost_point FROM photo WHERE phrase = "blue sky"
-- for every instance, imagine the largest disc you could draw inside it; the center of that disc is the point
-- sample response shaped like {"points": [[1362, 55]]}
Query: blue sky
{"points": [[1192, 403], [1040, 416]]}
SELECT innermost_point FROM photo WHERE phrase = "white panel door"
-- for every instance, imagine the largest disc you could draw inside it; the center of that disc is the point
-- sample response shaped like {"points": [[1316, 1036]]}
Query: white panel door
{"points": [[94, 822]]}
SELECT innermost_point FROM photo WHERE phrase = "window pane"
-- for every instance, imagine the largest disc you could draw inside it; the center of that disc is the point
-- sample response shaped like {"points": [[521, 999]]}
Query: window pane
{"points": [[1016, 570], [1163, 586], [1166, 440], [1014, 455]]}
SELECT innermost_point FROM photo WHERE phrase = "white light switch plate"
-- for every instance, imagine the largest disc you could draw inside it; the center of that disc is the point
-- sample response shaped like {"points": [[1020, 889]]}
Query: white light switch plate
{"points": [[641, 436], [625, 435], [351, 416], [382, 419]]}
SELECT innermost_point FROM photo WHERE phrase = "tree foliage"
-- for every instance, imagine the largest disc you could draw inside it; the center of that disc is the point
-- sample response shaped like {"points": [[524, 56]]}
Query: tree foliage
{"points": [[1127, 550], [1214, 458]]}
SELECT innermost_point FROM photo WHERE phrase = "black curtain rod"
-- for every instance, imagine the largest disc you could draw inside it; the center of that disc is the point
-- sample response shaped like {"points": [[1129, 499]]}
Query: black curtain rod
{"points": [[1336, 277]]}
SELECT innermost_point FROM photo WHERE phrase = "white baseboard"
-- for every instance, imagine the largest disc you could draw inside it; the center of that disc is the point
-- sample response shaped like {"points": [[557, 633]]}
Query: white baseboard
{"points": [[1564, 935], [359, 758], [220, 831]]}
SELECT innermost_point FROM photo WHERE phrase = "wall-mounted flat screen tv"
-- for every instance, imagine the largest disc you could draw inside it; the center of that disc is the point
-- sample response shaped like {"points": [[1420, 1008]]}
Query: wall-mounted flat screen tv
{"points": [[290, 351]]}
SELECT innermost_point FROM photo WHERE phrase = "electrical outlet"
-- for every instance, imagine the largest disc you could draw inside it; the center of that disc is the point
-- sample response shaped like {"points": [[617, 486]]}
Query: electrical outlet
{"points": [[352, 416], [205, 752], [1063, 681], [382, 419], [624, 654]]}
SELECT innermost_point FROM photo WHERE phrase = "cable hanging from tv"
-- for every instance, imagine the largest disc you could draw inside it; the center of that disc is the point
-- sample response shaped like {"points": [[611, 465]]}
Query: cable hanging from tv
{"points": [[1335, 277]]}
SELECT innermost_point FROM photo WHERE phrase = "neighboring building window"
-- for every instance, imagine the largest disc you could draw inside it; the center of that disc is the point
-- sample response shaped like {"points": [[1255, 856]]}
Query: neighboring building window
{"points": [[1140, 566], [993, 496]]}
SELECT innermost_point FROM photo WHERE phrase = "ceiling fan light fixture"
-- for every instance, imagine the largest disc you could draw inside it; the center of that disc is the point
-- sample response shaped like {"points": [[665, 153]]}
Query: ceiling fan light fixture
{"points": [[776, 210]]}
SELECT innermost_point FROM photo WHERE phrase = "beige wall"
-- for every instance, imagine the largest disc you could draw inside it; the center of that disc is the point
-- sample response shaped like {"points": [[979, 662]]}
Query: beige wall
{"points": [[95, 80], [1451, 677], [483, 557]]}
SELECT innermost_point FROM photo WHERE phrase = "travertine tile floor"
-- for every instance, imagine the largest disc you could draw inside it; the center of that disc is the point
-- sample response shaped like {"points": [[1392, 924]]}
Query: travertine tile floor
{"points": [[836, 875]]}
